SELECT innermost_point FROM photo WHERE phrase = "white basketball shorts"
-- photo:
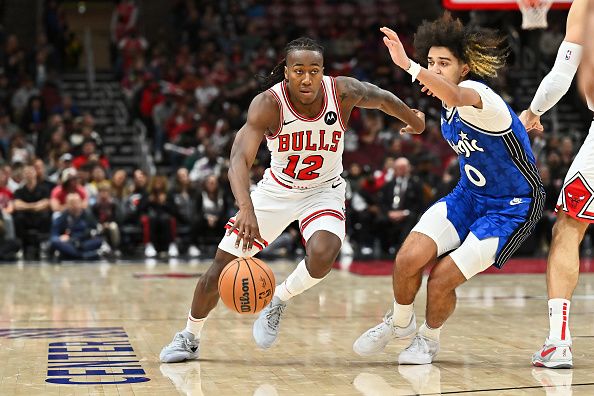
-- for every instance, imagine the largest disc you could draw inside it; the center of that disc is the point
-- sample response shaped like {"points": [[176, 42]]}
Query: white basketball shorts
{"points": [[320, 208], [577, 195]]}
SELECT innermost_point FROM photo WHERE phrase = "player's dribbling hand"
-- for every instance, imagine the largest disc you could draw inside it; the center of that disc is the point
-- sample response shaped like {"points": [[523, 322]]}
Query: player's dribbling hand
{"points": [[531, 121], [411, 130], [395, 47], [246, 225]]}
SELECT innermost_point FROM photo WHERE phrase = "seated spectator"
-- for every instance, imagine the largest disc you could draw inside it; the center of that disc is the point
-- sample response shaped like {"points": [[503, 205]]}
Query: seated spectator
{"points": [[108, 215], [9, 246], [70, 184], [159, 221], [6, 206], [74, 233], [401, 203], [210, 164], [133, 205], [119, 187], [32, 214], [212, 211], [7, 131], [42, 179], [362, 208], [84, 129], [182, 198], [64, 161], [90, 155], [67, 109]]}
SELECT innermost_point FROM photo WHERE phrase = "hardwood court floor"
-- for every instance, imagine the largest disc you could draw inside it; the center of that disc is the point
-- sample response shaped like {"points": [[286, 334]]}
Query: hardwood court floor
{"points": [[66, 324]]}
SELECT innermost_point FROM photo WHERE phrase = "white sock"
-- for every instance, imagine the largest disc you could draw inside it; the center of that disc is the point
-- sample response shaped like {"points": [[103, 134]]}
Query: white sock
{"points": [[428, 332], [559, 319], [296, 283], [194, 326], [401, 314]]}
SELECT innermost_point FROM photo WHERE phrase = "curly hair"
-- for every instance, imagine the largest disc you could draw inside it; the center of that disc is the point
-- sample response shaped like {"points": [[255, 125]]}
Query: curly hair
{"points": [[278, 73], [484, 50]]}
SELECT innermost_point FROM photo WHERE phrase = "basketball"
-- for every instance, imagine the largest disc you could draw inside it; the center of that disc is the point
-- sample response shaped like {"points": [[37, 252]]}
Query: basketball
{"points": [[246, 285]]}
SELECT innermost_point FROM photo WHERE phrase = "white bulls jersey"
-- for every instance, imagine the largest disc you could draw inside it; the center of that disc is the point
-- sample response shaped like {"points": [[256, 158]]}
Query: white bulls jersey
{"points": [[307, 152]]}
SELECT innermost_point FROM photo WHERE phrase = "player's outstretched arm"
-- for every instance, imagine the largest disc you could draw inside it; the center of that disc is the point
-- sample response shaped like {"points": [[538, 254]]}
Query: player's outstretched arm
{"points": [[355, 93], [557, 82], [263, 115], [451, 94], [586, 77]]}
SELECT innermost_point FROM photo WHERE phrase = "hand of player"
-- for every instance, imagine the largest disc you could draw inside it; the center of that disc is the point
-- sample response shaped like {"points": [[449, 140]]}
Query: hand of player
{"points": [[411, 130], [247, 226], [531, 121], [427, 91], [396, 49]]}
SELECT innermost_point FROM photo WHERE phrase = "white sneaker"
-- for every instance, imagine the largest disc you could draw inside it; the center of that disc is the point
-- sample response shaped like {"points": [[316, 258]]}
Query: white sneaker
{"points": [[375, 339], [421, 350], [267, 326], [193, 251], [183, 347], [554, 354], [172, 251], [149, 250]]}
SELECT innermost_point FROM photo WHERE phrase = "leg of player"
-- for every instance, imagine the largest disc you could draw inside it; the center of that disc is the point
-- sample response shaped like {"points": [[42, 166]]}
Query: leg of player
{"points": [[445, 277], [186, 343], [562, 276], [417, 251], [322, 248]]}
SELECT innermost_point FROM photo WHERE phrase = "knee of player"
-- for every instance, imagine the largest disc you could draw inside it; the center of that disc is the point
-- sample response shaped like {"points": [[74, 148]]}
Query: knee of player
{"points": [[405, 262], [440, 281], [319, 260]]}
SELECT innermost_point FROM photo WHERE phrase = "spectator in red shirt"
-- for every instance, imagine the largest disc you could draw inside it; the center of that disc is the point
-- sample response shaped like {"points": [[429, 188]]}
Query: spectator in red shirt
{"points": [[70, 184], [90, 154]]}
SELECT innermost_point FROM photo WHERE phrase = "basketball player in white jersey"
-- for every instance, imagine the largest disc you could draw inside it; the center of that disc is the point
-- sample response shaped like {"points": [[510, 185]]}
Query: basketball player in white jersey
{"points": [[575, 206], [586, 72], [303, 117]]}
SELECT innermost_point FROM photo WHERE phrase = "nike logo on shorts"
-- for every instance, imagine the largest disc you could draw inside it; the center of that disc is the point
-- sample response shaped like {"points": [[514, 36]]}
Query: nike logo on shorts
{"points": [[516, 201]]}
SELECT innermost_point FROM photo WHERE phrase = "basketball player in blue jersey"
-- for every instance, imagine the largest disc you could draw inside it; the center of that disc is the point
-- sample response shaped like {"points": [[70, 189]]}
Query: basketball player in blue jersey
{"points": [[303, 117], [494, 206], [575, 204]]}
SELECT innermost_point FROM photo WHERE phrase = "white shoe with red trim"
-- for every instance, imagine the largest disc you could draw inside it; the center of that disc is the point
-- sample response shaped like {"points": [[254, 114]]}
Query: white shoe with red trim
{"points": [[554, 354]]}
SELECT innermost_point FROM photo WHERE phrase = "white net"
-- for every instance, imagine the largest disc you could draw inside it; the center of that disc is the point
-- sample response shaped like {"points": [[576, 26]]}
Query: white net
{"points": [[534, 13]]}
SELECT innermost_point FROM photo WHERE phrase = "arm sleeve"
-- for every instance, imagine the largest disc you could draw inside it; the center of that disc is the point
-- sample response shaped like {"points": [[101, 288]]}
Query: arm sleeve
{"points": [[494, 115], [557, 82]]}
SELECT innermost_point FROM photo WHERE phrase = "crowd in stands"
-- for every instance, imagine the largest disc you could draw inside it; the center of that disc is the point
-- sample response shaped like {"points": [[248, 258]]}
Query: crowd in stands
{"points": [[191, 88]]}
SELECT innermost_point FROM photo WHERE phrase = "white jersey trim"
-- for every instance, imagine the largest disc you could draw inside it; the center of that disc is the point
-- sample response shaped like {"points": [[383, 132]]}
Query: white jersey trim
{"points": [[280, 112], [295, 112], [337, 104]]}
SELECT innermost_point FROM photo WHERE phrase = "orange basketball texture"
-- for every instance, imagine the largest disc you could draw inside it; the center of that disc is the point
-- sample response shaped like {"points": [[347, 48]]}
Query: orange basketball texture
{"points": [[246, 285]]}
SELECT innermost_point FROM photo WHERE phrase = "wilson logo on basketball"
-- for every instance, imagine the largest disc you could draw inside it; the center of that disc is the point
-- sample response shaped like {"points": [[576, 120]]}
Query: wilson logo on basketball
{"points": [[245, 297], [246, 285]]}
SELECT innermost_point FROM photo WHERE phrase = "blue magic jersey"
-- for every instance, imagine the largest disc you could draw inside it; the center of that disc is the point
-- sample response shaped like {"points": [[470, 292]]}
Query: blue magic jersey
{"points": [[497, 164], [500, 193]]}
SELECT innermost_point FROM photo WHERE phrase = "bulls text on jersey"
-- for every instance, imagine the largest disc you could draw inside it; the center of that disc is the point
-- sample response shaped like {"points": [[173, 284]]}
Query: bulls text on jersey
{"points": [[309, 141]]}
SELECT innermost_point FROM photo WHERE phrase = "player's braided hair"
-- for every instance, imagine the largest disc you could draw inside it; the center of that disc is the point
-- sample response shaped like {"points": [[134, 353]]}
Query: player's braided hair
{"points": [[278, 73], [484, 50]]}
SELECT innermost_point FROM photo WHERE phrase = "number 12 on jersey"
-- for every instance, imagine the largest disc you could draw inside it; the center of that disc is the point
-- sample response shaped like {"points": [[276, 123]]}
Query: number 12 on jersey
{"points": [[313, 162]]}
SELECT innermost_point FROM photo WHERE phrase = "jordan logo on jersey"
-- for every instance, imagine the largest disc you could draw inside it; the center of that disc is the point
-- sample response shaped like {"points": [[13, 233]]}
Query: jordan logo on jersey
{"points": [[465, 146], [309, 141]]}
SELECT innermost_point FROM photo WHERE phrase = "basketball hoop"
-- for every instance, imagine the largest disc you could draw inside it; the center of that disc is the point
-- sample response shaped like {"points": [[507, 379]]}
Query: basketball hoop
{"points": [[534, 13]]}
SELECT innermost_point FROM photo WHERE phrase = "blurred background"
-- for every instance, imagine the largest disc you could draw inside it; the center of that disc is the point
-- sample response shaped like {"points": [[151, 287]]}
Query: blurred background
{"points": [[133, 106]]}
